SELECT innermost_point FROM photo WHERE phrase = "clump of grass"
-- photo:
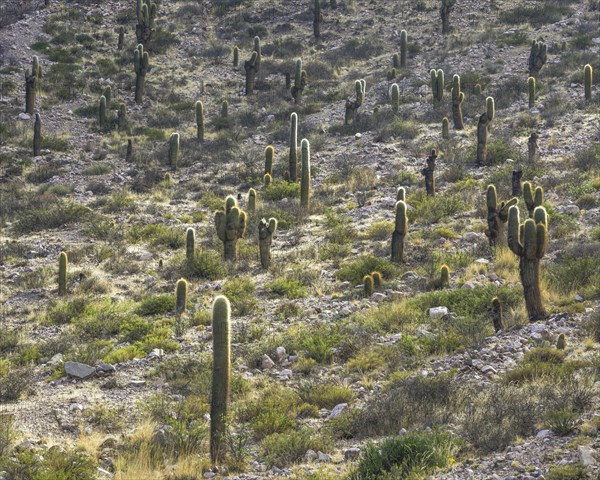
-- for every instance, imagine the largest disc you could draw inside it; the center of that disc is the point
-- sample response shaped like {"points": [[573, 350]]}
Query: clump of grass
{"points": [[355, 270], [325, 395], [283, 449]]}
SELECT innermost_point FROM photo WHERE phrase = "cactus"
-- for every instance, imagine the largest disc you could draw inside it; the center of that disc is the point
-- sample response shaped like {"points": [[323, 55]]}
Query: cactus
{"points": [[477, 90], [395, 61], [236, 56], [561, 343], [377, 279], [391, 74], [146, 14], [533, 150], [293, 158], [305, 180], [32, 84], [231, 225], [587, 81], [368, 285], [129, 153], [400, 229], [457, 100], [299, 82], [529, 241], [444, 276], [199, 110], [269, 155], [437, 86], [428, 172], [445, 128], [121, 39], [174, 150], [251, 71], [37, 135], [224, 109], [317, 19], [122, 117], [265, 238], [401, 194], [63, 270], [181, 290], [403, 42], [533, 198], [102, 112], [221, 373], [483, 128], [497, 216], [251, 200], [395, 98], [190, 244], [531, 90], [516, 181], [267, 179], [537, 57], [258, 51], [497, 314], [141, 64], [445, 9], [353, 106], [107, 94]]}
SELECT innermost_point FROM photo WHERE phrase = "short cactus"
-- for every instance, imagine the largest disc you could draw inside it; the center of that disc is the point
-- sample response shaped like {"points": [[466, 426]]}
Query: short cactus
{"points": [[353, 105], [403, 45], [428, 173], [483, 128], [37, 135], [236, 56], [221, 373], [396, 61], [129, 154], [457, 100], [122, 117], [445, 128], [199, 109], [377, 279], [317, 19], [293, 157], [399, 234], [190, 244], [497, 314], [587, 81], [531, 91], [141, 65], [444, 276], [561, 342], [63, 270], [251, 200], [533, 198], [266, 229], [121, 38], [174, 150], [107, 92], [305, 179], [437, 86], [445, 9], [224, 109], [477, 89], [401, 194], [267, 179], [368, 285], [269, 155], [231, 226], [32, 84], [497, 216], [537, 57], [181, 290], [251, 71], [391, 74], [299, 82], [395, 98], [102, 112], [146, 14]]}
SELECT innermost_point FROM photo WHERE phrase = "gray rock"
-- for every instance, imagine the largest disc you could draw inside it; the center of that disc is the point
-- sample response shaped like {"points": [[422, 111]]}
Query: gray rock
{"points": [[209, 475], [310, 456], [266, 363], [378, 297], [351, 453], [469, 285], [409, 275], [137, 383], [537, 327], [280, 354], [338, 410], [544, 433], [80, 371], [323, 457], [105, 368], [24, 116], [579, 298], [586, 455], [436, 312]]}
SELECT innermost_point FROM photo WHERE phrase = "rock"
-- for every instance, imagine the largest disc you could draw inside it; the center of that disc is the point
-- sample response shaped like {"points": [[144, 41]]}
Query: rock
{"points": [[469, 285], [378, 297], [482, 261], [351, 453], [280, 354], [266, 363], [76, 407], [338, 410], [56, 360], [105, 368], [24, 116], [436, 312], [489, 370], [537, 327], [156, 353], [323, 457], [579, 298], [470, 237], [137, 383], [209, 475], [544, 433], [310, 456], [80, 371], [409, 275], [586, 455]]}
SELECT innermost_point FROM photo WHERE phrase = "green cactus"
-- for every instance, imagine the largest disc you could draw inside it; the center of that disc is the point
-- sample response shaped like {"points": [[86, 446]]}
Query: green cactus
{"points": [[121, 39], [251, 71], [174, 150], [141, 65], [401, 194], [236, 56], [293, 158], [444, 276], [32, 84], [483, 128], [146, 15], [477, 90], [221, 373], [63, 270], [224, 109], [37, 135], [457, 100], [561, 343], [395, 61], [305, 180], [231, 226], [299, 82], [391, 74], [395, 98], [190, 244], [445, 9], [531, 91], [403, 44], [258, 50], [317, 19], [517, 174], [587, 81], [107, 94], [122, 117], [269, 155], [497, 315], [497, 216], [537, 57], [251, 200], [377, 279], [181, 290], [267, 179], [529, 242], [265, 238], [353, 105], [533, 198], [368, 285], [199, 107], [102, 112], [445, 128], [428, 172], [400, 230], [437, 86]]}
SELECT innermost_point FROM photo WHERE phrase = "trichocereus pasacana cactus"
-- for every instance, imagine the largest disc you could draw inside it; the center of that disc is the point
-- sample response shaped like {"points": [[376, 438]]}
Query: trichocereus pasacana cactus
{"points": [[395, 98], [236, 56], [266, 230], [267, 179], [293, 157], [32, 84], [401, 194], [533, 198], [531, 91], [251, 71], [141, 62], [400, 230], [146, 14], [251, 200], [529, 241], [368, 285], [496, 313], [437, 86], [317, 19], [428, 172], [444, 276], [199, 109], [483, 128], [299, 82], [63, 270], [537, 57], [269, 156], [445, 9], [353, 105], [305, 179], [107, 92], [37, 135], [445, 128], [181, 290], [377, 279], [122, 117], [190, 244], [457, 100], [221, 374], [497, 216], [587, 81], [174, 150], [403, 46], [258, 51], [121, 38], [102, 113], [231, 226], [517, 174], [533, 149]]}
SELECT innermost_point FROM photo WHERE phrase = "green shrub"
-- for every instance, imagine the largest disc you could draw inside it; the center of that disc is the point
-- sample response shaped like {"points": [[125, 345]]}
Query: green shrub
{"points": [[572, 471], [536, 15], [241, 292], [50, 215], [123, 354], [283, 449], [355, 270], [61, 312], [279, 190], [562, 422], [205, 264], [157, 305], [288, 287], [325, 395]]}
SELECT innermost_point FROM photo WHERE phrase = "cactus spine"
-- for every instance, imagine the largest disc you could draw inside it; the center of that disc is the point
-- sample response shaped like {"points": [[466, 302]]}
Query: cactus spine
{"points": [[353, 105], [221, 373], [537, 57], [428, 173], [483, 127], [444, 276], [529, 241], [587, 81], [299, 82], [199, 121], [318, 18], [497, 314], [146, 14], [102, 112], [395, 98], [251, 71], [293, 158], [269, 155], [236, 56], [437, 86], [533, 198], [32, 84], [445, 10], [141, 63], [445, 128], [531, 90], [457, 100], [63, 270], [37, 135], [403, 43], [174, 150], [368, 285], [305, 180], [231, 225], [265, 238], [497, 216], [181, 290], [400, 229], [190, 244], [251, 200]]}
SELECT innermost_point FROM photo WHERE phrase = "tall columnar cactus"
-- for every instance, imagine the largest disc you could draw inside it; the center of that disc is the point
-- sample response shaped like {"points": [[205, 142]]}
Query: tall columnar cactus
{"points": [[305, 180], [445, 128], [395, 98], [483, 128], [293, 158], [258, 51], [37, 135], [269, 155], [587, 81], [428, 173], [236, 56], [181, 290], [368, 285], [199, 107], [265, 238], [122, 117], [533, 150], [403, 45], [437, 85], [107, 92], [174, 150], [221, 373], [497, 216], [457, 100], [299, 82], [401, 194], [400, 230], [251, 200], [146, 14], [497, 314], [531, 91], [63, 270], [231, 226], [516, 181], [537, 57], [317, 19], [141, 62], [353, 105], [102, 112], [32, 84], [190, 244], [533, 198], [224, 109], [129, 154], [529, 241], [121, 39], [445, 9], [444, 276], [395, 61], [251, 71]]}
